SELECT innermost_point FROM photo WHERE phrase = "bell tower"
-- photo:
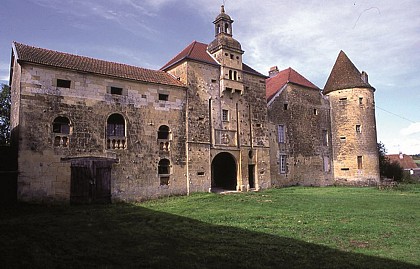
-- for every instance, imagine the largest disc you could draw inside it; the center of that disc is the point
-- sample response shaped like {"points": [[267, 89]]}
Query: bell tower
{"points": [[228, 52]]}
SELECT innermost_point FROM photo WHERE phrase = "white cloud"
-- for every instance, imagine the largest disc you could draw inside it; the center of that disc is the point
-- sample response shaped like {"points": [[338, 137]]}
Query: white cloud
{"points": [[414, 128]]}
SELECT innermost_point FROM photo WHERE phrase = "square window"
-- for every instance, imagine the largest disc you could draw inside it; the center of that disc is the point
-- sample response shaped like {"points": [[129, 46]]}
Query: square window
{"points": [[62, 83], [225, 115], [116, 90], [163, 97]]}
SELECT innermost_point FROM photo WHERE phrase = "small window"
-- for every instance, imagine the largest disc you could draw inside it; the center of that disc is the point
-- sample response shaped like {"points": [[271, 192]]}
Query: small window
{"points": [[225, 115], [325, 137], [230, 74], [282, 164], [163, 97], [231, 56], [358, 129], [360, 162], [258, 125], [315, 111], [345, 169], [360, 100], [143, 96], [327, 166], [281, 133], [116, 90], [343, 138], [285, 106], [200, 173], [61, 125], [164, 168], [213, 81], [62, 83]]}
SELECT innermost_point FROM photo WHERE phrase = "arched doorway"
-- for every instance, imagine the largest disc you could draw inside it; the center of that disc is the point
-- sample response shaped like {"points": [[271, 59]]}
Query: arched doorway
{"points": [[223, 171]]}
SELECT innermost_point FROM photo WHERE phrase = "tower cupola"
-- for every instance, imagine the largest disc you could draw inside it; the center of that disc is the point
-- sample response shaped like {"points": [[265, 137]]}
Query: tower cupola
{"points": [[223, 34], [223, 23]]}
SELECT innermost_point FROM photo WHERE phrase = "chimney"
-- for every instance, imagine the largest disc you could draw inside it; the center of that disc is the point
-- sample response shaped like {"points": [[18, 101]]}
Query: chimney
{"points": [[273, 71], [365, 77], [401, 156]]}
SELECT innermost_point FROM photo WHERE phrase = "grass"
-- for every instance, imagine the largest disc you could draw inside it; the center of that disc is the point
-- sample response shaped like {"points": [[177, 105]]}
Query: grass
{"points": [[295, 227]]}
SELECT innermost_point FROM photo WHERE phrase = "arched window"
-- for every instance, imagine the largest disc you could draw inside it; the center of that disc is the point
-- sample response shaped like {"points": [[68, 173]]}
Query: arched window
{"points": [[115, 125], [163, 132], [61, 125], [164, 170], [115, 131], [61, 130], [235, 75], [230, 74], [163, 138], [227, 28]]}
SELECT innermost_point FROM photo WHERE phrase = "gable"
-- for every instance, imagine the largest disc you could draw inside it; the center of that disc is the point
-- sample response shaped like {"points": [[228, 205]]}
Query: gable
{"points": [[277, 82]]}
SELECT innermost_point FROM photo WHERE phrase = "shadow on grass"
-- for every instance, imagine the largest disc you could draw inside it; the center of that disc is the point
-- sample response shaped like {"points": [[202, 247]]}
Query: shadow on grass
{"points": [[123, 236]]}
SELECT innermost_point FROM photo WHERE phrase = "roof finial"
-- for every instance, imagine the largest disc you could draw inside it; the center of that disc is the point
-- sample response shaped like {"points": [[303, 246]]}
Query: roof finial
{"points": [[222, 10]]}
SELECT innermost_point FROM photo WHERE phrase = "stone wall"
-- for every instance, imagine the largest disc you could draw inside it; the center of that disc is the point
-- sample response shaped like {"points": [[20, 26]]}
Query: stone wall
{"points": [[88, 104], [304, 115], [355, 153]]}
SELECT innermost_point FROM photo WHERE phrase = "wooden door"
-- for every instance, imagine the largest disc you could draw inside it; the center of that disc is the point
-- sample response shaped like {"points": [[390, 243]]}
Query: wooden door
{"points": [[90, 181]]}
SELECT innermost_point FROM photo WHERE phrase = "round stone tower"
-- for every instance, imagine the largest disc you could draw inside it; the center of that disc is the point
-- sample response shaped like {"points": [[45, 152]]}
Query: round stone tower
{"points": [[353, 124]]}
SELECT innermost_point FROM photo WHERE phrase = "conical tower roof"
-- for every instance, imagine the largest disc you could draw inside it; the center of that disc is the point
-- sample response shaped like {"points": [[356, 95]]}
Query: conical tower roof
{"points": [[345, 75]]}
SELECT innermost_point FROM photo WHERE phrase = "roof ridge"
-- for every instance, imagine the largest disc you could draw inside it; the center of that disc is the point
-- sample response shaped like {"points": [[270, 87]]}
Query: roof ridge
{"points": [[87, 57], [65, 60]]}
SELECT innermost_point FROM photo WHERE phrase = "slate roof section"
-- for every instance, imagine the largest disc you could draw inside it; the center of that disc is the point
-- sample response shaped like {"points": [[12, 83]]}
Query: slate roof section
{"points": [[289, 75], [197, 51], [406, 162], [344, 75], [29, 54]]}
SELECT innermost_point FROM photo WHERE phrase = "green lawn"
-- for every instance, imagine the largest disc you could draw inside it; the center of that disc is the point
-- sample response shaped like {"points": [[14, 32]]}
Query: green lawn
{"points": [[278, 228]]}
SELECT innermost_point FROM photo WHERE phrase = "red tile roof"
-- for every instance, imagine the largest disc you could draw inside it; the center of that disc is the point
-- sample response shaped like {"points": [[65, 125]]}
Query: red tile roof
{"points": [[198, 52], [344, 75], [406, 162], [194, 51], [276, 83], [52, 58]]}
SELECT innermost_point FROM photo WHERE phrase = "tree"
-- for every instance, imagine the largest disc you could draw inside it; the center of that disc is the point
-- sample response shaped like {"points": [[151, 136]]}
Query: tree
{"points": [[5, 104], [388, 169]]}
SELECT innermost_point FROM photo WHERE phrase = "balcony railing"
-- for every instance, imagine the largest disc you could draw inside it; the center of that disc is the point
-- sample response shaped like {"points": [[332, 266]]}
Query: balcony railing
{"points": [[164, 144], [116, 142], [61, 141]]}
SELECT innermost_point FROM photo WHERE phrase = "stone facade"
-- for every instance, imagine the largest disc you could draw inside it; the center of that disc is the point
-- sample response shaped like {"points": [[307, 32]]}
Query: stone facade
{"points": [[300, 145], [87, 130]]}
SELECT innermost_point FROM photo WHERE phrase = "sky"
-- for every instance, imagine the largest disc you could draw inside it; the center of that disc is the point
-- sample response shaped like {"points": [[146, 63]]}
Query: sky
{"points": [[381, 37]]}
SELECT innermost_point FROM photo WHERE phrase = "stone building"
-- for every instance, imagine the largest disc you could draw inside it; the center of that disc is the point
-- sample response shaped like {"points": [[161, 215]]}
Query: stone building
{"points": [[88, 130]]}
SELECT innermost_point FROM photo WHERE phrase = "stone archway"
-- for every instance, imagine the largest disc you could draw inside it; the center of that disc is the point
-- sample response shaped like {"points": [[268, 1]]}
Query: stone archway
{"points": [[223, 171]]}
